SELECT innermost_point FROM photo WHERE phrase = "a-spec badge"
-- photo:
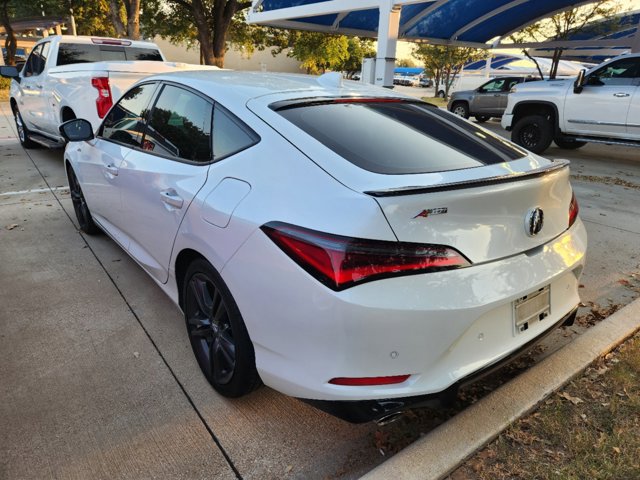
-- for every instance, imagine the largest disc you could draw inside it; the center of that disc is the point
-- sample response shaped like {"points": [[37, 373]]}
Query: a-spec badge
{"points": [[427, 212], [533, 221]]}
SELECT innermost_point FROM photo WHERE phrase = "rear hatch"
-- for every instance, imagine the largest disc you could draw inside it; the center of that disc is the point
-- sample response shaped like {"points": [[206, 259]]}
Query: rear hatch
{"points": [[437, 178]]}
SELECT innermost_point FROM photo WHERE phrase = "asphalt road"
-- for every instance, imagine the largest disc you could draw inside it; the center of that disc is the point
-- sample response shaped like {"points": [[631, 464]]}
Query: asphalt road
{"points": [[97, 378]]}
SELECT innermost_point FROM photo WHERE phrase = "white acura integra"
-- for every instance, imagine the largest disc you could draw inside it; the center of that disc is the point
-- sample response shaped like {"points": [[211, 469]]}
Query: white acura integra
{"points": [[343, 244]]}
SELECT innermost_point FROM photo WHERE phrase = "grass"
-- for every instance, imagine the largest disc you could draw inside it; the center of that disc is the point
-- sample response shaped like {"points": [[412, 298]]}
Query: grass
{"points": [[437, 101], [4, 89], [590, 429]]}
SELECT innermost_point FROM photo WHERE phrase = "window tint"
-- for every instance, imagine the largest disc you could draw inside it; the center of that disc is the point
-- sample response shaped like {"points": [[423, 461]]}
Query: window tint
{"points": [[126, 120], [621, 72], [86, 53], [230, 135], [180, 126], [399, 137], [35, 62]]}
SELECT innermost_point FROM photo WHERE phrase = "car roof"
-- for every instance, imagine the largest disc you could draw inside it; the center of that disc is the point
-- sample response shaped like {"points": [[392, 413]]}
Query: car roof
{"points": [[243, 86]]}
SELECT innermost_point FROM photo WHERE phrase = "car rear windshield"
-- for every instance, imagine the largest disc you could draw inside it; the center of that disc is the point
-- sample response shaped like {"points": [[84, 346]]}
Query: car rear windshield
{"points": [[392, 136], [87, 53]]}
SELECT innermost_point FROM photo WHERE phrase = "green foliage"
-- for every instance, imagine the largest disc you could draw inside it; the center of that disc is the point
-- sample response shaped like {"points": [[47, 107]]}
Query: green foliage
{"points": [[405, 62], [318, 52], [443, 62]]}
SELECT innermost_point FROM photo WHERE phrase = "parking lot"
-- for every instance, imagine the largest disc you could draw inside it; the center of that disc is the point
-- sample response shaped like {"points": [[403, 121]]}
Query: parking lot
{"points": [[97, 375]]}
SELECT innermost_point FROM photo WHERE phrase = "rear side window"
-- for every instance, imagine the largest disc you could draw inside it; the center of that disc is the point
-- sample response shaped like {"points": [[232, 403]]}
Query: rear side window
{"points": [[398, 137], [180, 126], [69, 53], [230, 135], [125, 122]]}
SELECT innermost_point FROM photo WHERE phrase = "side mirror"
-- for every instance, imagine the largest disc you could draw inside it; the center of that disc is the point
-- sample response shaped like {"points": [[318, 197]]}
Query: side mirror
{"points": [[77, 130], [579, 83], [9, 71]]}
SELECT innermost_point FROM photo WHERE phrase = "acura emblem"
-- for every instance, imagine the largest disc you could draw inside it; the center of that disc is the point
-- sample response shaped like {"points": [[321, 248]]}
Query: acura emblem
{"points": [[534, 221]]}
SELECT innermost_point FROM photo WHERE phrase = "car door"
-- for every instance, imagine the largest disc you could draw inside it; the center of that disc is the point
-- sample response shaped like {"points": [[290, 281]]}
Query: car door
{"points": [[487, 97], [160, 180], [602, 107], [100, 159], [633, 118], [33, 107]]}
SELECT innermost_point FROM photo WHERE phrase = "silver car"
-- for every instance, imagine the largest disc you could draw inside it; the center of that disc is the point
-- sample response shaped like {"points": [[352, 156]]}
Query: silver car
{"points": [[486, 101]]}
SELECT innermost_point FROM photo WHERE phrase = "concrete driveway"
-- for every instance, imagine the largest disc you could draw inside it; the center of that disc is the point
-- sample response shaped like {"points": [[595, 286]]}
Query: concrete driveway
{"points": [[97, 377]]}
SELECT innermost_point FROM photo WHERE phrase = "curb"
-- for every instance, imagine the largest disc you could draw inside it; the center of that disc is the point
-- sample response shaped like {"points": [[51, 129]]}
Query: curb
{"points": [[446, 447]]}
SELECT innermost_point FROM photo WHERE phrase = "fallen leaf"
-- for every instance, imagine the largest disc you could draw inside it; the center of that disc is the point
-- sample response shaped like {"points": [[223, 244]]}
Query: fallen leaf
{"points": [[572, 399], [616, 449], [136, 354], [12, 226]]}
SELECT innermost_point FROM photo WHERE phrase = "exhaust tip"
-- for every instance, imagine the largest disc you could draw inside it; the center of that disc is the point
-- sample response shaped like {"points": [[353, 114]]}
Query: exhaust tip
{"points": [[387, 419]]}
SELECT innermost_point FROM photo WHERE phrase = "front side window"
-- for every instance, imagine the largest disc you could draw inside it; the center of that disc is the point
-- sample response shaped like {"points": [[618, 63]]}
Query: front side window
{"points": [[125, 122], [625, 71], [493, 86], [180, 126], [392, 136], [35, 62]]}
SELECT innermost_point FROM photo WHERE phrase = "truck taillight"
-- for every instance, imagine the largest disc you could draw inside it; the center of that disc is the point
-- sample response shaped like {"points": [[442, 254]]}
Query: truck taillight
{"points": [[573, 209], [104, 100]]}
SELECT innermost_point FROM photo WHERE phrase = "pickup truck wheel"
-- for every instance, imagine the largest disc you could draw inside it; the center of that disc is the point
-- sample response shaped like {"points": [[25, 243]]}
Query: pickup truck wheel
{"points": [[461, 109], [482, 118], [533, 132], [568, 144], [85, 220], [23, 132]]}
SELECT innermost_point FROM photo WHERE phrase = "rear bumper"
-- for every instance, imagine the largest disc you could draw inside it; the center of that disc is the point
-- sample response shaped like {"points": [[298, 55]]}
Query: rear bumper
{"points": [[372, 410]]}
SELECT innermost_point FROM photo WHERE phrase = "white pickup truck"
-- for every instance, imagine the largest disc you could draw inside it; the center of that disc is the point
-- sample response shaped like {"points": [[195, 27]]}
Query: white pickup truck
{"points": [[67, 77], [602, 105]]}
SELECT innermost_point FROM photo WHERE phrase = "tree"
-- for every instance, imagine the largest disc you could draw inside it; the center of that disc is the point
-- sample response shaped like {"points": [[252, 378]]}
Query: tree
{"points": [[317, 52], [210, 21], [564, 24], [131, 11], [91, 17], [357, 49], [10, 42], [444, 62]]}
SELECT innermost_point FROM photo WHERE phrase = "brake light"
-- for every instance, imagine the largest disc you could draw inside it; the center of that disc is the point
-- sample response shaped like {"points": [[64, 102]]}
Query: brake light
{"points": [[104, 100], [368, 381], [110, 41], [342, 262], [573, 209]]}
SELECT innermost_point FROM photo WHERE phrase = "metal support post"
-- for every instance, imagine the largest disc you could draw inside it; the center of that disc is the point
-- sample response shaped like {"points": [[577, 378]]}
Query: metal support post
{"points": [[388, 27]]}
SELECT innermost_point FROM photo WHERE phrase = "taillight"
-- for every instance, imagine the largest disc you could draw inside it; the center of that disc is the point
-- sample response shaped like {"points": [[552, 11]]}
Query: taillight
{"points": [[104, 100], [342, 262], [573, 209], [368, 381]]}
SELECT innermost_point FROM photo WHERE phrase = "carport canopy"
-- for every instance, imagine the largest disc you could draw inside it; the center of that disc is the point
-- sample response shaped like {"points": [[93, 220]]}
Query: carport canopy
{"points": [[471, 23]]}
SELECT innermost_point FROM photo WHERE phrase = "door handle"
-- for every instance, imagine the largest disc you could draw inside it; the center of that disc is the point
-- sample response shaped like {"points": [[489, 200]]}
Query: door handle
{"points": [[620, 94], [496, 95], [171, 197], [39, 86], [112, 170]]}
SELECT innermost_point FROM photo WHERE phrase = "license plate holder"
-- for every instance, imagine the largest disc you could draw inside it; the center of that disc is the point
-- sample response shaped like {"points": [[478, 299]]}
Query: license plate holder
{"points": [[531, 309]]}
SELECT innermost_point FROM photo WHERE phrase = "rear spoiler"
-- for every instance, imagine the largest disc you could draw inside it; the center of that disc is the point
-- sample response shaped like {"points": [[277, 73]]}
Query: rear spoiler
{"points": [[480, 182]]}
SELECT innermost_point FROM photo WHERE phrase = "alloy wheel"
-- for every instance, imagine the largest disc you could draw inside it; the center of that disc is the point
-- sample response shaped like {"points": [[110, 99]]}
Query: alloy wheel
{"points": [[209, 328]]}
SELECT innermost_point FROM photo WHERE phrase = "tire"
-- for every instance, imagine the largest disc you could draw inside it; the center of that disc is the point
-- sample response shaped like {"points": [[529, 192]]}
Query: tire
{"points": [[482, 118], [461, 109], [533, 132], [85, 220], [441, 94], [217, 333], [23, 131], [568, 144]]}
